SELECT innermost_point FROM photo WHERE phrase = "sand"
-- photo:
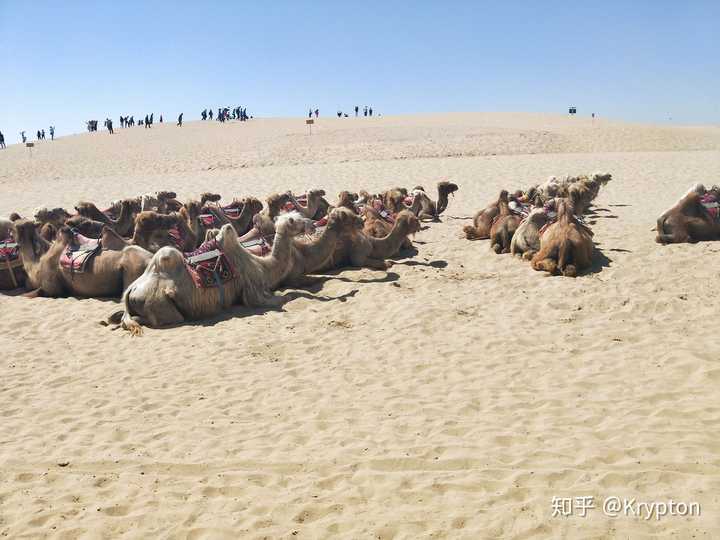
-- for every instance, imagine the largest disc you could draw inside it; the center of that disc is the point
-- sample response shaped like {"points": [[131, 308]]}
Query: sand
{"points": [[452, 397]]}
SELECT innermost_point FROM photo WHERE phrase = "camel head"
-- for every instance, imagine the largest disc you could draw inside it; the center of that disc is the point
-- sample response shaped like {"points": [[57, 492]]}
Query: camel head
{"points": [[65, 235], [315, 194], [394, 200], [165, 196], [293, 224], [209, 197], [418, 188], [85, 226], [409, 221], [56, 216], [133, 205], [603, 178], [191, 210], [446, 188], [15, 216]]}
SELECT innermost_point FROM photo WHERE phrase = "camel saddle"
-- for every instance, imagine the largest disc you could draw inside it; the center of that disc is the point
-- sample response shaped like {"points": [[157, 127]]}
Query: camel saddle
{"points": [[208, 266], [711, 205], [209, 220], [9, 252], [177, 236], [257, 246], [302, 201], [80, 253]]}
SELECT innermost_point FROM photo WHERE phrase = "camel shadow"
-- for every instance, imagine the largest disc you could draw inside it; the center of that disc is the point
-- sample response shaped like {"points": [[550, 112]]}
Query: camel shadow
{"points": [[619, 205], [433, 264], [620, 250], [459, 217], [599, 261]]}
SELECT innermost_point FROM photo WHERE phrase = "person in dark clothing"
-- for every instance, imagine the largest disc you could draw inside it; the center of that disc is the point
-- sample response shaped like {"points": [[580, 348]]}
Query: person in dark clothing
{"points": [[357, 109], [42, 132], [110, 128], [203, 114], [310, 113], [210, 114], [339, 114], [24, 138], [317, 113], [161, 118], [38, 134], [180, 120], [370, 111], [52, 133], [147, 121], [2, 140], [151, 118], [365, 111]]}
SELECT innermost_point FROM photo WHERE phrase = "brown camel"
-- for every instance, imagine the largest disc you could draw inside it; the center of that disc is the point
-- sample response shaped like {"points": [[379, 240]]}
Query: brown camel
{"points": [[152, 231], [377, 227], [107, 275], [566, 246], [354, 248], [526, 240], [688, 221], [482, 222], [123, 225], [265, 220], [313, 197], [503, 226], [249, 207], [429, 208], [165, 293]]}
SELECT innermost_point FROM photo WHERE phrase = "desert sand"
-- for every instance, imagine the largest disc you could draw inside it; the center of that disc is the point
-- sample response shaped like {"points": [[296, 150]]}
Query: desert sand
{"points": [[451, 397]]}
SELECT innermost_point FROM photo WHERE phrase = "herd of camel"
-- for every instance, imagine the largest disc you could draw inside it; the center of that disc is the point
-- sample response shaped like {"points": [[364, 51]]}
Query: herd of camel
{"points": [[172, 262]]}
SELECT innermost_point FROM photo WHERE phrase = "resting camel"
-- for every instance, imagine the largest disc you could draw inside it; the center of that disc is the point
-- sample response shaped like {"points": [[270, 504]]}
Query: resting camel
{"points": [[125, 222], [689, 220], [314, 198], [503, 226], [480, 229], [160, 202], [566, 246], [526, 240], [429, 208], [109, 272], [151, 233], [264, 222], [249, 207], [165, 293], [354, 248], [377, 227]]}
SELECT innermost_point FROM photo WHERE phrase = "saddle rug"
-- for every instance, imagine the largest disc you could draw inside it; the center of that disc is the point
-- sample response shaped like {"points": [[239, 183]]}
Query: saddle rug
{"points": [[177, 236], [78, 255], [208, 266], [209, 220], [9, 251], [711, 205], [258, 246]]}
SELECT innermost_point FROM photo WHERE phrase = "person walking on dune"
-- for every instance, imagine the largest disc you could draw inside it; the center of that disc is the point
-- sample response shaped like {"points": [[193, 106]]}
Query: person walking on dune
{"points": [[180, 120], [23, 137], [357, 110], [210, 114], [2, 140], [52, 133]]}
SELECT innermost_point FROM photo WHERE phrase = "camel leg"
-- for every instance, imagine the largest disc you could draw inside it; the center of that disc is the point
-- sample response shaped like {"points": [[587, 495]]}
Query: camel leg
{"points": [[548, 265], [504, 240], [528, 255], [376, 264]]}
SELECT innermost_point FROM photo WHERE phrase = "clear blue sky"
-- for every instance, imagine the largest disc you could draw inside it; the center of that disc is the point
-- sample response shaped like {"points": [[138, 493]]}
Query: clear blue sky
{"points": [[64, 62]]}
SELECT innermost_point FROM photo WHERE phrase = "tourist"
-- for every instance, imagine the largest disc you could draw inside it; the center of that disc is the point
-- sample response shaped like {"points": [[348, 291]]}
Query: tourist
{"points": [[2, 140], [52, 133], [24, 138], [180, 120]]}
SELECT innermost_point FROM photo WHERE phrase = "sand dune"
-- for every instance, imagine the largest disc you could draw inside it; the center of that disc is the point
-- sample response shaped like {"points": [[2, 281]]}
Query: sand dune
{"points": [[451, 397]]}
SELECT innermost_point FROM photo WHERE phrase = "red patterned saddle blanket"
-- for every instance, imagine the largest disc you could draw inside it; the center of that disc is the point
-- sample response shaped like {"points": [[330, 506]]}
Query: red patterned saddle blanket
{"points": [[208, 265], [9, 250], [711, 205], [257, 246], [79, 254]]}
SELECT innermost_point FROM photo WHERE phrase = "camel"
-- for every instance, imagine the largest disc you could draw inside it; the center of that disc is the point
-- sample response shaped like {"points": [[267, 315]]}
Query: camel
{"points": [[314, 196], [160, 202], [108, 274], [429, 208], [688, 220], [249, 207], [582, 189], [165, 293], [151, 233], [377, 227], [503, 226], [354, 248], [526, 240], [125, 222], [566, 246], [264, 221], [55, 217], [12, 273], [480, 229]]}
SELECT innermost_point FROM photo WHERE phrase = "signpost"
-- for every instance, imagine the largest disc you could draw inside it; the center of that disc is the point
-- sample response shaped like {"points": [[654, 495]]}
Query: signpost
{"points": [[30, 146], [310, 123], [572, 110]]}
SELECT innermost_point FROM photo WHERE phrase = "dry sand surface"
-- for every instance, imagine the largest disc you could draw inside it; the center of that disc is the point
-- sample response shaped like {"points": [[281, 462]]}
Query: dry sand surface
{"points": [[452, 397]]}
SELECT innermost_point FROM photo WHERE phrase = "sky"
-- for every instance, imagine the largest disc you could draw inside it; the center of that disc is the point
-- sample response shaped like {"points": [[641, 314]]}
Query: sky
{"points": [[62, 63]]}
